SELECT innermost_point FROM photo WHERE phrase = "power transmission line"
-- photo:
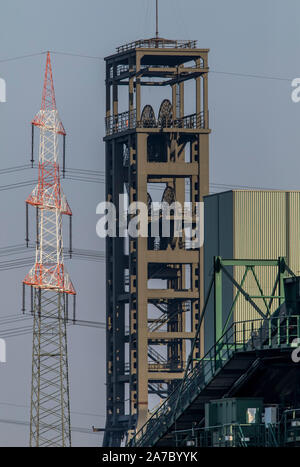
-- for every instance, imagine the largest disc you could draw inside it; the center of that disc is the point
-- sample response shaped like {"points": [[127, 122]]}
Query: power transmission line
{"points": [[70, 54], [20, 262], [79, 322], [24, 423], [78, 55], [10, 404], [23, 330], [21, 57], [100, 178]]}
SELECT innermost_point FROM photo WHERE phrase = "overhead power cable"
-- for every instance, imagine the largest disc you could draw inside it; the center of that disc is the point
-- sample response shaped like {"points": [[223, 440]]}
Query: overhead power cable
{"points": [[93, 57], [21, 57], [26, 261], [24, 423], [248, 75], [98, 176], [23, 329], [10, 404]]}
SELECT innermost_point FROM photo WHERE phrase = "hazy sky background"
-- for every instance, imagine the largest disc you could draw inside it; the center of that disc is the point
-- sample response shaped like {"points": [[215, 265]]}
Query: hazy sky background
{"points": [[255, 141]]}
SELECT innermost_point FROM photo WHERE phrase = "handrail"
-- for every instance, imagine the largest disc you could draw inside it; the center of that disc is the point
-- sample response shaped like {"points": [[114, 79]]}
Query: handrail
{"points": [[158, 43], [125, 121], [167, 401], [238, 432], [243, 335]]}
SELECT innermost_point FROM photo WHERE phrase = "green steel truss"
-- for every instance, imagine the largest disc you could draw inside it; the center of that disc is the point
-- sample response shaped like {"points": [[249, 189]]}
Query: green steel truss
{"points": [[221, 267], [266, 332]]}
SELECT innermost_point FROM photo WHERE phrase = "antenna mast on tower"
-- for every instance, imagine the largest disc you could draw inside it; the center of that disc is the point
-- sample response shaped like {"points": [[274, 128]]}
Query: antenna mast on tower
{"points": [[156, 34]]}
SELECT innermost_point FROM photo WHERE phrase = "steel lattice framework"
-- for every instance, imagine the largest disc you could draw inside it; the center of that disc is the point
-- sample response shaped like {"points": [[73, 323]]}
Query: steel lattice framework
{"points": [[144, 150], [51, 285]]}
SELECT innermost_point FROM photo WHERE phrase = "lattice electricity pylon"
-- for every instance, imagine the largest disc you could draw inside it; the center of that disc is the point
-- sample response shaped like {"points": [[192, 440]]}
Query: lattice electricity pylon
{"points": [[50, 286]]}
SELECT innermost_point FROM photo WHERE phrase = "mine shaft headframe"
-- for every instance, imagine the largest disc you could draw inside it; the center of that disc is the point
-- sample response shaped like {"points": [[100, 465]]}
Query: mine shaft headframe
{"points": [[146, 146], [155, 62]]}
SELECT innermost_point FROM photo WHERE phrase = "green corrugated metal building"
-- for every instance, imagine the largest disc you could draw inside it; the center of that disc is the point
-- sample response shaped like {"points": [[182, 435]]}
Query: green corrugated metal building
{"points": [[249, 224]]}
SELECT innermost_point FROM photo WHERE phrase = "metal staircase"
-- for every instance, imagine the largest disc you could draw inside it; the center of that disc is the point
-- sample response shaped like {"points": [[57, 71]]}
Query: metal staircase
{"points": [[213, 376]]}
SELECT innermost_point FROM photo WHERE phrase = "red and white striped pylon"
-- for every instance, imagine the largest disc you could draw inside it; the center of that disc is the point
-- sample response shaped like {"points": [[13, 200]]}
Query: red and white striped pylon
{"points": [[50, 411]]}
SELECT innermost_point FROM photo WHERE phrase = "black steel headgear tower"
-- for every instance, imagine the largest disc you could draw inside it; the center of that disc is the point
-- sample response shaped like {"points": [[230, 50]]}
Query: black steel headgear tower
{"points": [[149, 330]]}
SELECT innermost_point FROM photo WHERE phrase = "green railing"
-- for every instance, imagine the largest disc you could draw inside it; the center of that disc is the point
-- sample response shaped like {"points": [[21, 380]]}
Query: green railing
{"points": [[274, 332], [230, 435]]}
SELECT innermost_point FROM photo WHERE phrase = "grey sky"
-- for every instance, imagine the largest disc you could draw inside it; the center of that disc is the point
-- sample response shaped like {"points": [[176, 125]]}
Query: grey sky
{"points": [[255, 141]]}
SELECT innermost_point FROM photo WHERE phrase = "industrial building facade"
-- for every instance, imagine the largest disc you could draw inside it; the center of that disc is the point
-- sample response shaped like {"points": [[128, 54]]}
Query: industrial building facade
{"points": [[249, 224]]}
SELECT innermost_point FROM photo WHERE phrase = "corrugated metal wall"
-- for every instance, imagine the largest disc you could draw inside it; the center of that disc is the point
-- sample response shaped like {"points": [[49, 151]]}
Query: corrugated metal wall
{"points": [[266, 225], [294, 232], [261, 232]]}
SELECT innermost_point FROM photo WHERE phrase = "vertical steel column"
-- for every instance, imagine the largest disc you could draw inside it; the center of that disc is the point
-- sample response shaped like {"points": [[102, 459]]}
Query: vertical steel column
{"points": [[282, 275], [142, 279], [118, 288], [138, 88], [218, 298], [132, 266]]}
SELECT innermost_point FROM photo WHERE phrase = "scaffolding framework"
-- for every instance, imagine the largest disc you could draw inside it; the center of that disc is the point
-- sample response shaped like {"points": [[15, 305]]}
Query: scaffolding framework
{"points": [[145, 148]]}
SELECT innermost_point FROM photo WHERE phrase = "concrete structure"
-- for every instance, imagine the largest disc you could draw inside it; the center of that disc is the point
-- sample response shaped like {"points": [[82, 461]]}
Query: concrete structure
{"points": [[243, 224]]}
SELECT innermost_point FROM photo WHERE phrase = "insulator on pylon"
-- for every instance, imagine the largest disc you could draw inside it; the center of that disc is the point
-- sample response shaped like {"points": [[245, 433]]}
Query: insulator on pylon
{"points": [[27, 230], [67, 307], [31, 300], [39, 302], [74, 309], [70, 239], [64, 308], [64, 155], [37, 227], [23, 299], [32, 145]]}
